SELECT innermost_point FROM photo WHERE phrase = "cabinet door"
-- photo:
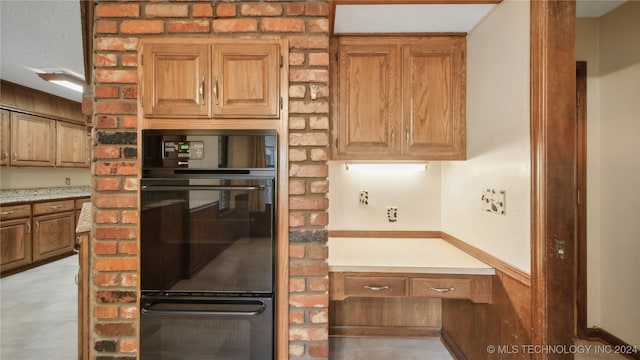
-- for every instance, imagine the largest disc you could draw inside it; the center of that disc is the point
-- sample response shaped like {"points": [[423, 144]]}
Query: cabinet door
{"points": [[72, 146], [368, 80], [176, 80], [53, 235], [5, 137], [434, 98], [15, 243], [246, 80], [33, 140]]}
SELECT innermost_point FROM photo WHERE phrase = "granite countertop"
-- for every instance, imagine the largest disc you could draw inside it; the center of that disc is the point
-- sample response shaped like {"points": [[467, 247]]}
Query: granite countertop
{"points": [[402, 255], [26, 195], [84, 221]]}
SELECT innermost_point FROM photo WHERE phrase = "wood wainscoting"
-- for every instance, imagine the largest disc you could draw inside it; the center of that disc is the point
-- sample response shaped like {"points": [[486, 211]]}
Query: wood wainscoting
{"points": [[469, 329]]}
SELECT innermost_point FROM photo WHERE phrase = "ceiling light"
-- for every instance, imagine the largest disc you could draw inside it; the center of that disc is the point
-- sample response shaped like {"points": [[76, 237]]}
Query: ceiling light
{"points": [[64, 79], [386, 166]]}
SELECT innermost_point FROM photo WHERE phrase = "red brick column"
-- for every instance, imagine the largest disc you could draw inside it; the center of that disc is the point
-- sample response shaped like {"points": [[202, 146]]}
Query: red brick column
{"points": [[118, 28]]}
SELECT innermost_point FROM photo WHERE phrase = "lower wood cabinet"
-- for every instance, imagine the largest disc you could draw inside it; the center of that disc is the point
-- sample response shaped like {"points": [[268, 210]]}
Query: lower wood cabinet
{"points": [[476, 288], [15, 237], [53, 235], [398, 304], [34, 233]]}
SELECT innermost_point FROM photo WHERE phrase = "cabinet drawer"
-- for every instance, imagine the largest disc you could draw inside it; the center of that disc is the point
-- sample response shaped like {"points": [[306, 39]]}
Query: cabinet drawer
{"points": [[15, 211], [445, 288], [375, 286], [52, 207]]}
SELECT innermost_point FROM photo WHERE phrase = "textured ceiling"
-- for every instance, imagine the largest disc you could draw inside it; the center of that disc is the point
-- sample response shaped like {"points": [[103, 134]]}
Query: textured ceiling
{"points": [[38, 36]]}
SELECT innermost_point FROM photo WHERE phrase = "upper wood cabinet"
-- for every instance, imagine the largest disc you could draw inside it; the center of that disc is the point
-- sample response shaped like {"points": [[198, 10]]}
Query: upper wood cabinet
{"points": [[72, 146], [5, 136], [206, 79], [33, 140], [176, 79], [399, 98], [369, 99], [246, 80]]}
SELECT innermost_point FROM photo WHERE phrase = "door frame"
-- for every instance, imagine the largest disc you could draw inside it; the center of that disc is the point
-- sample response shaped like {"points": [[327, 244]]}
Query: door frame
{"points": [[581, 182], [553, 125]]}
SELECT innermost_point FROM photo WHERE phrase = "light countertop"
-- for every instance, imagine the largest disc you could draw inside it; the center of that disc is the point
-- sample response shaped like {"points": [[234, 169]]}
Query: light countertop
{"points": [[84, 221], [27, 195], [402, 255]]}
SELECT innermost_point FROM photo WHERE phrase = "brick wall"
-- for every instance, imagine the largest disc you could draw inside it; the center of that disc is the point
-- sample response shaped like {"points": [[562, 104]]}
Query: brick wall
{"points": [[117, 30]]}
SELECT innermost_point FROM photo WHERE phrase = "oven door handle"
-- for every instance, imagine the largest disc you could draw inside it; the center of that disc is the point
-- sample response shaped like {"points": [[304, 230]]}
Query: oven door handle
{"points": [[147, 309], [200, 187]]}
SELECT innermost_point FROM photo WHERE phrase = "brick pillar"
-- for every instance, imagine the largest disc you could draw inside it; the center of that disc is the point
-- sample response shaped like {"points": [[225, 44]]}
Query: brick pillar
{"points": [[118, 28]]}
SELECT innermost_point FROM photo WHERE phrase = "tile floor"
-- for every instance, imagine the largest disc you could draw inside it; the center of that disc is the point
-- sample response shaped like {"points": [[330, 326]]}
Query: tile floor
{"points": [[371, 348], [38, 312]]}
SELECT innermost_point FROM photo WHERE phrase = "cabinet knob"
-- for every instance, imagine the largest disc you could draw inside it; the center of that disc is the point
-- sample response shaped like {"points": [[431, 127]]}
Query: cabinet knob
{"points": [[5, 155]]}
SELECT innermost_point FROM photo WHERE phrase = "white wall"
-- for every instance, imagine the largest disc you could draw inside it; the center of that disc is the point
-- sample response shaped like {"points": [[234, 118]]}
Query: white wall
{"points": [[29, 178], [415, 193], [611, 46], [498, 145]]}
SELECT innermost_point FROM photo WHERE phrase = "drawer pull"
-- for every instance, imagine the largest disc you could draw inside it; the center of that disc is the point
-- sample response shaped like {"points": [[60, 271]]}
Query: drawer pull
{"points": [[7, 212], [442, 290], [56, 206], [376, 288]]}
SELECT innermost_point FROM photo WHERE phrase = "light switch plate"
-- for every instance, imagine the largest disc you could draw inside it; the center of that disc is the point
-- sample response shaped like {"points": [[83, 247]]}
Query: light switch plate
{"points": [[493, 201]]}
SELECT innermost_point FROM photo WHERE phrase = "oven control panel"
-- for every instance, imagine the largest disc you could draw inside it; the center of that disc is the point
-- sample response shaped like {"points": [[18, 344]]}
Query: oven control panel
{"points": [[183, 150]]}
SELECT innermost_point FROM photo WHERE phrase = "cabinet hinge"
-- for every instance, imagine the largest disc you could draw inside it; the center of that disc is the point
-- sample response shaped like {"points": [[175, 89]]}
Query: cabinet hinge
{"points": [[577, 99], [336, 55], [141, 100], [141, 59], [281, 61], [462, 54], [281, 103]]}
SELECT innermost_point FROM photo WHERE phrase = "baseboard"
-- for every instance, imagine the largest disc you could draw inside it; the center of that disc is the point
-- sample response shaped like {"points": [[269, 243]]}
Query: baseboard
{"points": [[619, 345], [385, 331], [453, 348]]}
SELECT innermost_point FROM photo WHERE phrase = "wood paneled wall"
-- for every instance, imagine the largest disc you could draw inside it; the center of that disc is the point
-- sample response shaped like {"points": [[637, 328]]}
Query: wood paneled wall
{"points": [[18, 97], [469, 329]]}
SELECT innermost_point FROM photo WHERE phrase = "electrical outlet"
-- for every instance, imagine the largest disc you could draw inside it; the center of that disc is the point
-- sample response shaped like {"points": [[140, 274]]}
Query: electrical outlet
{"points": [[493, 201], [392, 213], [364, 197], [67, 181]]}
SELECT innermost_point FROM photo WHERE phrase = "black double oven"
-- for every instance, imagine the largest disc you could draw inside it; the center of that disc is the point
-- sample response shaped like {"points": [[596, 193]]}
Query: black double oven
{"points": [[207, 246]]}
